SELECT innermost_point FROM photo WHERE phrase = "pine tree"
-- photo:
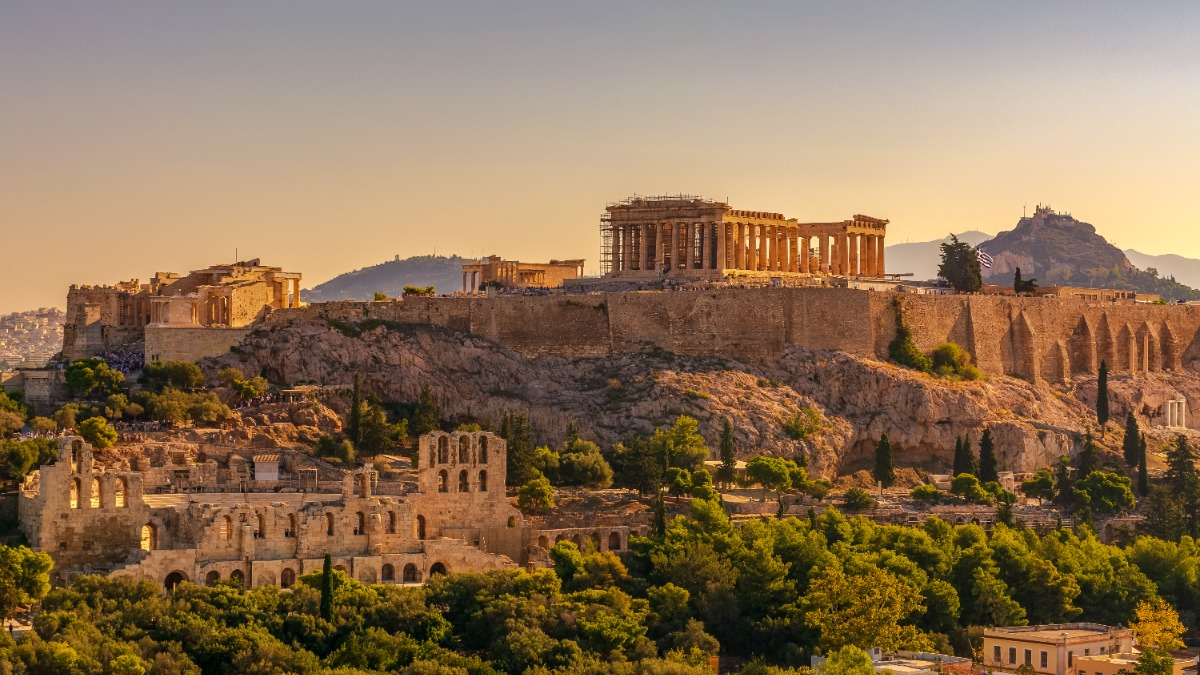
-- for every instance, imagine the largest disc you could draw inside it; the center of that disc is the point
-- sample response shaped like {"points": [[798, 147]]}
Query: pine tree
{"points": [[1143, 482], [885, 466], [1102, 397], [354, 426], [1183, 481], [425, 417], [989, 469], [1017, 281], [1088, 460], [327, 589], [728, 453], [1131, 443]]}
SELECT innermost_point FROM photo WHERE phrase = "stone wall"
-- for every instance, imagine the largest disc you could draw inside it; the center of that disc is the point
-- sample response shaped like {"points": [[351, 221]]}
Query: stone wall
{"points": [[1037, 339], [185, 343]]}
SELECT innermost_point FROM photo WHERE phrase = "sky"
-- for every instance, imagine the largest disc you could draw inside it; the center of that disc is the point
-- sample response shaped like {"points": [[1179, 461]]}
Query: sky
{"points": [[323, 137]]}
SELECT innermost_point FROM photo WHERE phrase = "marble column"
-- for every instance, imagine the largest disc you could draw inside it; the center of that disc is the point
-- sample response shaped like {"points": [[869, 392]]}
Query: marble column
{"points": [[880, 270], [804, 256], [845, 253], [852, 249], [705, 245], [722, 245], [822, 254]]}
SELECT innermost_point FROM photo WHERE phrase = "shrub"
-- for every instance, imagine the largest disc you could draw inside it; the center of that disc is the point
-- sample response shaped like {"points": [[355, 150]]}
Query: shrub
{"points": [[926, 493], [536, 495], [858, 499], [98, 432], [950, 360], [967, 486], [903, 348], [803, 423]]}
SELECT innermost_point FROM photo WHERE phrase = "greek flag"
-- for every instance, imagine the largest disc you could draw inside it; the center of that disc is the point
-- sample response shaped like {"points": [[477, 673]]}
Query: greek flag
{"points": [[984, 259]]}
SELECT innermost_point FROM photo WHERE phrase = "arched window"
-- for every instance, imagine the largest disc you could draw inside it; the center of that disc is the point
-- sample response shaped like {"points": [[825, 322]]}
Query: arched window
{"points": [[464, 449], [237, 577], [149, 537], [292, 527], [329, 524], [443, 480], [262, 526], [94, 498], [76, 453], [614, 542], [391, 522], [483, 449], [443, 449], [174, 579], [438, 568], [595, 540], [483, 481], [361, 520], [120, 487], [226, 528], [387, 574], [212, 578], [561, 537], [287, 577], [420, 527], [410, 574], [544, 541], [512, 521], [75, 490], [464, 483]]}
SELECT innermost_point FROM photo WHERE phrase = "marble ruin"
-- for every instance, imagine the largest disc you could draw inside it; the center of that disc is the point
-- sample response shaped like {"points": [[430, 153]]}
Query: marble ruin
{"points": [[689, 237], [494, 271], [269, 518]]}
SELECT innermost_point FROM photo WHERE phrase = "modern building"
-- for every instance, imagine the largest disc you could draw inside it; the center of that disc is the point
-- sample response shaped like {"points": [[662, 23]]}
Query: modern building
{"points": [[1052, 649], [1122, 664]]}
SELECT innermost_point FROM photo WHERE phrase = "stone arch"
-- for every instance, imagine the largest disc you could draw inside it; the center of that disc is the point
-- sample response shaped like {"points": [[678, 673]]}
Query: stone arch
{"points": [[443, 481], [483, 449], [438, 568], [420, 527], [387, 574], [149, 537], [226, 528], [1083, 349], [287, 577], [94, 498], [261, 522], [483, 481], [410, 574], [544, 541], [443, 449], [360, 523], [1056, 365], [76, 454], [329, 524], [1126, 349], [121, 492], [173, 580], [238, 577], [1024, 349], [76, 491], [1106, 343], [595, 538], [577, 539], [391, 526], [560, 538], [614, 541], [293, 526], [1169, 345], [212, 578], [1149, 357], [464, 449], [464, 482], [264, 578], [512, 521]]}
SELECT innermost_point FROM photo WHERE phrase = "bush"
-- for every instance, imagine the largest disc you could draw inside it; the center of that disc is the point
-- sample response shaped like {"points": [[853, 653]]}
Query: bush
{"points": [[803, 423], [98, 432], [903, 348], [177, 374], [858, 499], [967, 486], [950, 360], [176, 406], [926, 493], [536, 495]]}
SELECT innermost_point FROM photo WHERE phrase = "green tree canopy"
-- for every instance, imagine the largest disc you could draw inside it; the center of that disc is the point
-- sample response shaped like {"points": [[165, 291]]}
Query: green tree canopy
{"points": [[960, 266]]}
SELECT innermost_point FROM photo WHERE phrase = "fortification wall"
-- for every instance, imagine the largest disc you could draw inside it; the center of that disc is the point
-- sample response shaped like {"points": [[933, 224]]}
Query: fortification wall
{"points": [[1050, 339], [180, 343]]}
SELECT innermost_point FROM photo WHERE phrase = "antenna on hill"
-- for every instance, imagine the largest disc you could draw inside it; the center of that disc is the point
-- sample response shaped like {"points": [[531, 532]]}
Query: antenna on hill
{"points": [[235, 255], [1023, 207]]}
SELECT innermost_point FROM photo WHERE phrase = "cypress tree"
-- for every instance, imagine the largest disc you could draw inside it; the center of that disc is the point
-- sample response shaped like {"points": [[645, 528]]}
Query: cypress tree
{"points": [[1183, 482], [1017, 281], [885, 466], [1143, 482], [972, 459], [1102, 397], [1088, 461], [728, 453], [960, 458], [1132, 443], [988, 466], [425, 417], [354, 426], [519, 437], [327, 589]]}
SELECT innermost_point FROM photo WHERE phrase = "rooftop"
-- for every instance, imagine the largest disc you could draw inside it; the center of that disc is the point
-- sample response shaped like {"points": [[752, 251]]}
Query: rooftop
{"points": [[1054, 632]]}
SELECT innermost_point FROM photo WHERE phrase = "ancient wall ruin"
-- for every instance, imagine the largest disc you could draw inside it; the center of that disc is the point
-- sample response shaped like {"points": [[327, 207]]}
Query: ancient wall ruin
{"points": [[1042, 339]]}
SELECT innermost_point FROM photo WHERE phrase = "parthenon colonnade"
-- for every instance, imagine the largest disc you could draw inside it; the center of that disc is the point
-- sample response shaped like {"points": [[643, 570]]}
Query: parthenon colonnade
{"points": [[694, 237]]}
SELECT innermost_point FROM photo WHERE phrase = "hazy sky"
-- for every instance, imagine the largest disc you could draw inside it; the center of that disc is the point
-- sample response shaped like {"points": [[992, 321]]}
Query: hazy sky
{"points": [[323, 137]]}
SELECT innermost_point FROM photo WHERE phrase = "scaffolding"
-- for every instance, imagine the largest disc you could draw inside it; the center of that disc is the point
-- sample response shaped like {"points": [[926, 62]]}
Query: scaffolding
{"points": [[606, 240]]}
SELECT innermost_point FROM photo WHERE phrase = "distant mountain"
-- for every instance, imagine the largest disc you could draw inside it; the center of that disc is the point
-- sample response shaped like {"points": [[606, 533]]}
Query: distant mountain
{"points": [[923, 257], [1057, 249], [442, 272], [1185, 270]]}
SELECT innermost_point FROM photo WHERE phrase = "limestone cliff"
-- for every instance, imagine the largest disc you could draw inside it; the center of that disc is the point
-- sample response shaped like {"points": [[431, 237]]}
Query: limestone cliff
{"points": [[850, 400]]}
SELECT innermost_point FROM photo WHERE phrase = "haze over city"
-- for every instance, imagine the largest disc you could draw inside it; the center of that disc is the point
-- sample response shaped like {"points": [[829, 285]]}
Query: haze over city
{"points": [[144, 136]]}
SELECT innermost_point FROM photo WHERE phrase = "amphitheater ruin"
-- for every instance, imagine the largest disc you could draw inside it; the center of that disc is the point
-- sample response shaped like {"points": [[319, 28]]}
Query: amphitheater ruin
{"points": [[266, 519]]}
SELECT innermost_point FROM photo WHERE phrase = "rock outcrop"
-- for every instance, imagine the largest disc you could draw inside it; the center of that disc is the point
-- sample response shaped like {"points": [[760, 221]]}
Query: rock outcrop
{"points": [[827, 406]]}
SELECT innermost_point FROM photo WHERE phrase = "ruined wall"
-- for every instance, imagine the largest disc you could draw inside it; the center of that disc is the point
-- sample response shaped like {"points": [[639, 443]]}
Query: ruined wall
{"points": [[186, 343]]}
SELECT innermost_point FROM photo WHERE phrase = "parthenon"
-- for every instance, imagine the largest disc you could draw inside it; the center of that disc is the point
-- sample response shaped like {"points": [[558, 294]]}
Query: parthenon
{"points": [[691, 237]]}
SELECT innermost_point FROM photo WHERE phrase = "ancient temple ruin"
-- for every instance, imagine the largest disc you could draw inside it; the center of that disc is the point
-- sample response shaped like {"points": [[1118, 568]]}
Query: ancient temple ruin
{"points": [[690, 237]]}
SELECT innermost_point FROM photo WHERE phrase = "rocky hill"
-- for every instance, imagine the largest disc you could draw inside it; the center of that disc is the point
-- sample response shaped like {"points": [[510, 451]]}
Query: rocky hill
{"points": [[1184, 270], [1059, 250], [444, 273], [827, 406]]}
